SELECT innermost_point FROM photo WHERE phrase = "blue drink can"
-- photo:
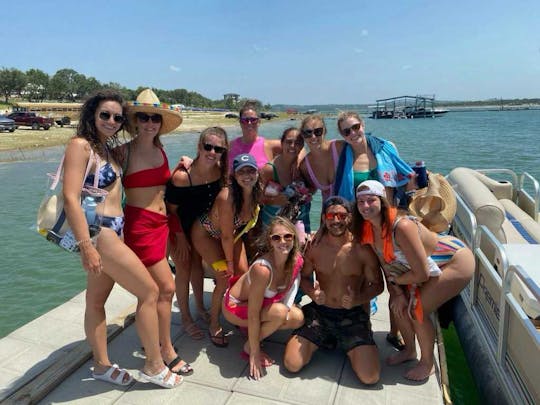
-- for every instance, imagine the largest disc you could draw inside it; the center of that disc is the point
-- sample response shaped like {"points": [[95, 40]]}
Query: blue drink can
{"points": [[421, 174]]}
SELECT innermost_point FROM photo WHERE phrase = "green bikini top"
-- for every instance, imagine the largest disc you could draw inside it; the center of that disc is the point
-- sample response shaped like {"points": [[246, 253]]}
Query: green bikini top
{"points": [[359, 177]]}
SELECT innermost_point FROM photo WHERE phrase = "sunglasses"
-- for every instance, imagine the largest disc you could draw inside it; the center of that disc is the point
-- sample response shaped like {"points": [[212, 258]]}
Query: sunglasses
{"points": [[308, 133], [218, 149], [249, 120], [288, 237], [331, 216], [155, 118], [355, 128], [106, 116]]}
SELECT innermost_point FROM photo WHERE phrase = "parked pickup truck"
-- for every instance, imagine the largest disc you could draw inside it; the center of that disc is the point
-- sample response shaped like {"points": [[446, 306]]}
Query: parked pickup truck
{"points": [[30, 119]]}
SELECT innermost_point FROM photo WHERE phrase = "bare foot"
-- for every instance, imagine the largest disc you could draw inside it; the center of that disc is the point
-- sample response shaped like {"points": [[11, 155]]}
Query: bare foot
{"points": [[193, 331], [420, 372], [400, 357]]}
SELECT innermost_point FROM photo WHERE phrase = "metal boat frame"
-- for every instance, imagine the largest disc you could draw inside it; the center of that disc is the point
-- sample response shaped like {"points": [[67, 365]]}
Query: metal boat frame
{"points": [[502, 329]]}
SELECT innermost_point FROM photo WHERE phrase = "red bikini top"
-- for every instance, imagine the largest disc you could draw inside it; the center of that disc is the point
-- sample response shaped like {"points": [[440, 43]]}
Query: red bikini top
{"points": [[157, 176]]}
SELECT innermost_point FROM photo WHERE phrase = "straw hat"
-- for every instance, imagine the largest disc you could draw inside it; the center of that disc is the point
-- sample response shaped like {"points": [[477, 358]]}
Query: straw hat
{"points": [[148, 102], [435, 204]]}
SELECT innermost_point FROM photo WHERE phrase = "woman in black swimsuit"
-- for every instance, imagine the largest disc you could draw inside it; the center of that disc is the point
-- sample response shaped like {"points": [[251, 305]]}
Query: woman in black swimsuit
{"points": [[191, 193]]}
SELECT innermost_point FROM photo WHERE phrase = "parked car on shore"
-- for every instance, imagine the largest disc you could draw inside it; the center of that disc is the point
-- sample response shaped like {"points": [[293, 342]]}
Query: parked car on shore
{"points": [[31, 119], [7, 124], [231, 115], [267, 115]]}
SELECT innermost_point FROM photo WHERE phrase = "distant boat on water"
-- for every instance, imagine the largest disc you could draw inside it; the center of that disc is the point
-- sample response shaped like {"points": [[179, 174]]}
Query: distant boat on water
{"points": [[406, 107]]}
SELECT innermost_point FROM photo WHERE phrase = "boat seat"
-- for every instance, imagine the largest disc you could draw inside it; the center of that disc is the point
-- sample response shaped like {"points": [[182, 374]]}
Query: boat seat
{"points": [[507, 222], [527, 227], [483, 204]]}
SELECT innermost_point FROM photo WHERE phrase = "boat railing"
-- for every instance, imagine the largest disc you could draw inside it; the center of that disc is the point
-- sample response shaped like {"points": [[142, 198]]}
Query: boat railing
{"points": [[527, 202], [511, 313], [505, 327]]}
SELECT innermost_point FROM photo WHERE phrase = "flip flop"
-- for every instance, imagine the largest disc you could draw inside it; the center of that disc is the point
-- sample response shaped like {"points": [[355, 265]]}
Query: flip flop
{"points": [[219, 339], [118, 380], [186, 369], [161, 378]]}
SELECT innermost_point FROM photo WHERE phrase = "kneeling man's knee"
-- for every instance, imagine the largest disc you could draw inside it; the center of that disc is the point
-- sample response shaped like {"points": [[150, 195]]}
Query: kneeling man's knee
{"points": [[293, 364], [369, 378]]}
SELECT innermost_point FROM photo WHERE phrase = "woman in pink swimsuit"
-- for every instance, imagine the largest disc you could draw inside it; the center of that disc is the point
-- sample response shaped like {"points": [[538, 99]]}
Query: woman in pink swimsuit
{"points": [[263, 150], [319, 165], [263, 298]]}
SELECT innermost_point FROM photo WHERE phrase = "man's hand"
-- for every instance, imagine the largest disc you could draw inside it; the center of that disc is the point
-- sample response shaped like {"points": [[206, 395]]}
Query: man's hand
{"points": [[319, 295], [348, 299]]}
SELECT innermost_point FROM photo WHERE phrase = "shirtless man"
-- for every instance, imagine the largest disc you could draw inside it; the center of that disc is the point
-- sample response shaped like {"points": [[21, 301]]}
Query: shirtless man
{"points": [[347, 277]]}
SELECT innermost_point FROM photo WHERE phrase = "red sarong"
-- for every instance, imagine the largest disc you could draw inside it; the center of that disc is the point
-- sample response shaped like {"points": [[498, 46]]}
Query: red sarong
{"points": [[146, 232]]}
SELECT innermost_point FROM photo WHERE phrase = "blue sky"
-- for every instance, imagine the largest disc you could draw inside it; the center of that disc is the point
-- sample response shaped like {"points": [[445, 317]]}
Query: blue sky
{"points": [[286, 51]]}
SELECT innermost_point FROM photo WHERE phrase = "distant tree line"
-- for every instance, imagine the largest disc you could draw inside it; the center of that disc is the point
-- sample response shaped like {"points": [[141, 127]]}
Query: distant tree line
{"points": [[67, 85], [492, 101]]}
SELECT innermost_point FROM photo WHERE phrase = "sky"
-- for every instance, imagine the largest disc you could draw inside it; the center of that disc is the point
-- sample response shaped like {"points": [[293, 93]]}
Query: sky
{"points": [[286, 51]]}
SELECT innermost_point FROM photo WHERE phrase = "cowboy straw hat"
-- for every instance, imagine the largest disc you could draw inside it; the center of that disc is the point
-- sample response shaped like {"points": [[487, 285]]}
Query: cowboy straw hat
{"points": [[435, 204], [148, 102]]}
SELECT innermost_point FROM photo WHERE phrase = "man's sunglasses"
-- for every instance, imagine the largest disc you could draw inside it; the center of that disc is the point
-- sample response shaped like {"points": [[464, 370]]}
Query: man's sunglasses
{"points": [[218, 149], [106, 116], [288, 237], [355, 128], [308, 133], [249, 120], [143, 117], [331, 216]]}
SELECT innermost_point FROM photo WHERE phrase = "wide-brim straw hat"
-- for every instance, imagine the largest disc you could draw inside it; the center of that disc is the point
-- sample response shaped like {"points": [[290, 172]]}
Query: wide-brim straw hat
{"points": [[147, 102], [435, 204]]}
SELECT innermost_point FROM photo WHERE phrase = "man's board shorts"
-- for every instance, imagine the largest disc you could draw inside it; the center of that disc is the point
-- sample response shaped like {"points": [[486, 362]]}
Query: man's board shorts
{"points": [[330, 328]]}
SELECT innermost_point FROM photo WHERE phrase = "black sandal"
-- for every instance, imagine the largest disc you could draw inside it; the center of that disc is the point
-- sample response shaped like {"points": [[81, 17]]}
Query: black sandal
{"points": [[219, 339], [186, 369]]}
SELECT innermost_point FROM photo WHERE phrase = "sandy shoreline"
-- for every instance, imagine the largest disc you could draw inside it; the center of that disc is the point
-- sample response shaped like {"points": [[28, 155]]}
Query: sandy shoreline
{"points": [[25, 138]]}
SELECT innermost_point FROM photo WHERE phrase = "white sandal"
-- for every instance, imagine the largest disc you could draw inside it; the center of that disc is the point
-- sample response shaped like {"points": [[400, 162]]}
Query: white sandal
{"points": [[118, 380], [161, 378]]}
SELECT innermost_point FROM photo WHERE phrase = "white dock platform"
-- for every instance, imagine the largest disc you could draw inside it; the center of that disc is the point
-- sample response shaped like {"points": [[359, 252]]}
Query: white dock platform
{"points": [[34, 356]]}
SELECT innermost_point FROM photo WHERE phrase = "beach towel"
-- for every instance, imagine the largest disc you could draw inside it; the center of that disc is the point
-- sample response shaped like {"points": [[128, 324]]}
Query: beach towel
{"points": [[391, 169]]}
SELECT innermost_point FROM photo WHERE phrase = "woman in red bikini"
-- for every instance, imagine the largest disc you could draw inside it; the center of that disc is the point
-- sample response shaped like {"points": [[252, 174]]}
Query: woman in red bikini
{"points": [[146, 172], [262, 299]]}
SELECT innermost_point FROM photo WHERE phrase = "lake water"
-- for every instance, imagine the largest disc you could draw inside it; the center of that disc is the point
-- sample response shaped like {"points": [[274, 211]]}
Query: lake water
{"points": [[36, 277]]}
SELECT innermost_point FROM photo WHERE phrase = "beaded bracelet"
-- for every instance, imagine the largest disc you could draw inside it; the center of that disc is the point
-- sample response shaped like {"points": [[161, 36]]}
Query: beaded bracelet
{"points": [[83, 241]]}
